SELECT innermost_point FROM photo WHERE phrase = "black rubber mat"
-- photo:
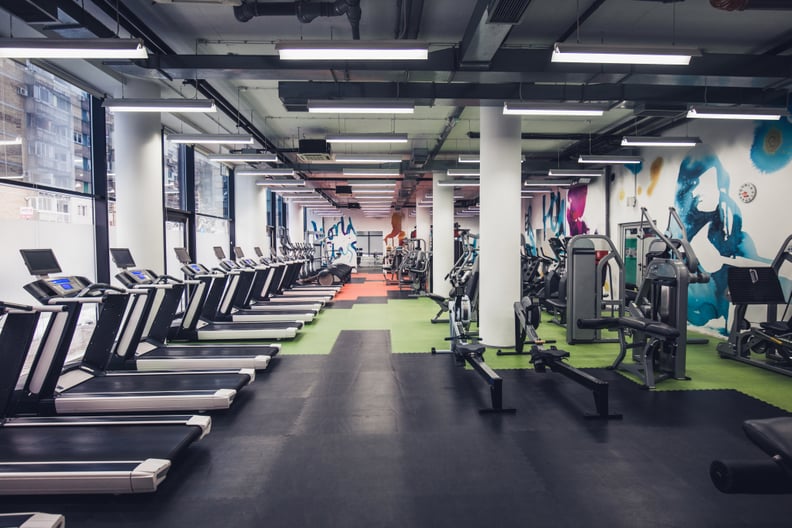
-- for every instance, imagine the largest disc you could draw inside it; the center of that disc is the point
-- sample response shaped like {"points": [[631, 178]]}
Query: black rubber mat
{"points": [[372, 300], [344, 305], [363, 437]]}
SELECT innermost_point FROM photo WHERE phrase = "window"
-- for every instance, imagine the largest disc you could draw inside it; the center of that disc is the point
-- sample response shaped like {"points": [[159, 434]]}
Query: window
{"points": [[174, 175]]}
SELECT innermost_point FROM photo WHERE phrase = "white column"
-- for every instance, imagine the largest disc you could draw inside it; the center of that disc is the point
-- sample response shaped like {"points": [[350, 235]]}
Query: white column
{"points": [[423, 223], [137, 141], [500, 226], [296, 229], [251, 214], [442, 235]]}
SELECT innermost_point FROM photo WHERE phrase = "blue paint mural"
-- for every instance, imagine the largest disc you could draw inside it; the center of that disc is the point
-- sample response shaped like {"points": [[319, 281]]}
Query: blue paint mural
{"points": [[772, 145], [530, 238], [703, 202], [341, 243], [553, 214]]}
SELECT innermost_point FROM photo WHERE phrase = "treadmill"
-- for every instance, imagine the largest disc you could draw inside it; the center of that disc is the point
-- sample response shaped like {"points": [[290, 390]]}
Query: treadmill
{"points": [[79, 455], [265, 297], [205, 323], [148, 349], [31, 520], [86, 386], [251, 277]]}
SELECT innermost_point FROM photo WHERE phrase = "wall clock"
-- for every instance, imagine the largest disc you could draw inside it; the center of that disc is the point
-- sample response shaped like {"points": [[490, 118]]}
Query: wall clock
{"points": [[747, 192]]}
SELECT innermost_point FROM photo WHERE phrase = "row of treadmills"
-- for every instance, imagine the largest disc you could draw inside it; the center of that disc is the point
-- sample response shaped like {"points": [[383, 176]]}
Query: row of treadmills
{"points": [[159, 345]]}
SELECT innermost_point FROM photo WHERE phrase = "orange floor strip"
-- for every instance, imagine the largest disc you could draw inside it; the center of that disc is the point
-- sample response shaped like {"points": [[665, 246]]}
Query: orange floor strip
{"points": [[373, 287]]}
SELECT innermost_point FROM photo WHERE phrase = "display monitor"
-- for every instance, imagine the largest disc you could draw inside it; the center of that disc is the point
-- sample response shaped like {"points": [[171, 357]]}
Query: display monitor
{"points": [[182, 255], [238, 253], [258, 251], [40, 261], [219, 253], [122, 258]]}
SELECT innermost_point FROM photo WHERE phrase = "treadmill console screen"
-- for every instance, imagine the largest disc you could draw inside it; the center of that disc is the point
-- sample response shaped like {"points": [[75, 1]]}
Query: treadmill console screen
{"points": [[230, 263], [195, 267], [238, 253], [40, 261], [258, 251], [219, 253], [122, 257], [140, 275], [182, 255], [63, 286]]}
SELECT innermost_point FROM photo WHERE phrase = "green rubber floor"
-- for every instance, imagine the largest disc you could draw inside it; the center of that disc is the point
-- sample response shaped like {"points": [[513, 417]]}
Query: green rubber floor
{"points": [[407, 320]]}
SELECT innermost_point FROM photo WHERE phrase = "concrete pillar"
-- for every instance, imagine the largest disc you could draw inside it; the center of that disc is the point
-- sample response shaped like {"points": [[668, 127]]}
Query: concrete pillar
{"points": [[250, 209], [296, 228], [139, 194], [500, 225], [442, 235], [423, 223]]}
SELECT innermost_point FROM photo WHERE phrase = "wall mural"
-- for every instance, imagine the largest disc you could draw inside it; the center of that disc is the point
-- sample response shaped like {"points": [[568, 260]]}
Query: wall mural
{"points": [[553, 214], [705, 206], [340, 242], [772, 146], [530, 238], [576, 208]]}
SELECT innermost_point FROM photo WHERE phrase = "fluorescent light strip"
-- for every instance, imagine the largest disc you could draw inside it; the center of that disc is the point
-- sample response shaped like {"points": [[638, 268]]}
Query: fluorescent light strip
{"points": [[21, 176], [213, 139], [371, 183], [469, 158], [622, 160], [736, 112], [573, 173], [352, 50], [244, 158], [603, 54], [560, 110], [463, 172], [349, 107], [649, 141], [265, 172], [459, 183], [372, 172], [363, 192], [362, 158], [367, 138], [545, 184], [160, 105], [270, 183], [94, 48]]}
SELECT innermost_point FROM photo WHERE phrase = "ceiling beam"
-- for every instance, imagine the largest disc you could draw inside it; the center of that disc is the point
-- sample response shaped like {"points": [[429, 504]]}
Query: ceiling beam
{"points": [[294, 95], [507, 65]]}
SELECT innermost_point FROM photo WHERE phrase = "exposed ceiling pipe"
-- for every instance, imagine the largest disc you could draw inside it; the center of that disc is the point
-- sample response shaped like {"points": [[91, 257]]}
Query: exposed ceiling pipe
{"points": [[304, 10], [747, 5]]}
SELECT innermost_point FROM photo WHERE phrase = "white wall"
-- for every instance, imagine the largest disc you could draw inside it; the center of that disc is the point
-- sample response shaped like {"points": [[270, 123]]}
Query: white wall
{"points": [[729, 232]]}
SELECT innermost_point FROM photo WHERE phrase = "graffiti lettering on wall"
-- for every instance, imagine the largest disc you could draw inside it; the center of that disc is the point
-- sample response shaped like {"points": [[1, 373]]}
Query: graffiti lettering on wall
{"points": [[340, 242], [530, 239], [553, 214], [576, 209]]}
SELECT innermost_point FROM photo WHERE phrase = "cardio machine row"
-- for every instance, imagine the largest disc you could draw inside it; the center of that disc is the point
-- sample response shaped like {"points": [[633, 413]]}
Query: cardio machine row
{"points": [[73, 426]]}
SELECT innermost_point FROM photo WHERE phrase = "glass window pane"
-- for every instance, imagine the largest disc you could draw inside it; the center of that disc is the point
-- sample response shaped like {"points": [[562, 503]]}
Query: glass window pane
{"points": [[175, 237], [53, 120], [211, 187], [211, 232], [174, 175]]}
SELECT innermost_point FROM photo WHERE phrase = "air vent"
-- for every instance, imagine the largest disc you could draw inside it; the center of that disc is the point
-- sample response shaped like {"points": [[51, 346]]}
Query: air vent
{"points": [[353, 205], [343, 189], [506, 11], [314, 150]]}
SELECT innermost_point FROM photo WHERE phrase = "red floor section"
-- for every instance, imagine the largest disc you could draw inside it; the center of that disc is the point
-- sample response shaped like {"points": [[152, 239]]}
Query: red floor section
{"points": [[373, 287]]}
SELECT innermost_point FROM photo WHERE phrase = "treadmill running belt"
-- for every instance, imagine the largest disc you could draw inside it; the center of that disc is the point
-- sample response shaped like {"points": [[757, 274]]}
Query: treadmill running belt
{"points": [[95, 443], [160, 383], [191, 352]]}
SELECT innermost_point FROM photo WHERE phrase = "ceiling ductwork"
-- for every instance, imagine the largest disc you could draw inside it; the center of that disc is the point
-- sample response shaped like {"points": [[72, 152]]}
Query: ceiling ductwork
{"points": [[304, 10], [746, 5]]}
